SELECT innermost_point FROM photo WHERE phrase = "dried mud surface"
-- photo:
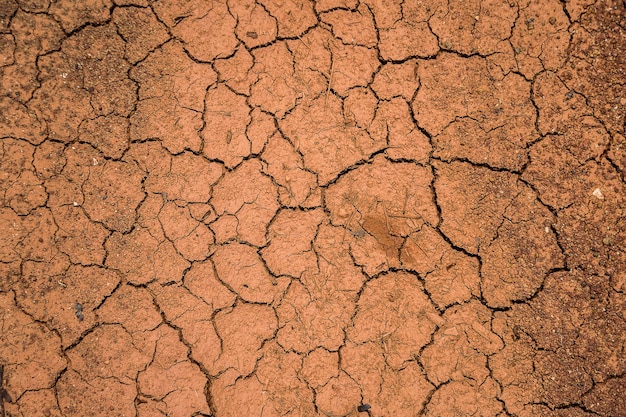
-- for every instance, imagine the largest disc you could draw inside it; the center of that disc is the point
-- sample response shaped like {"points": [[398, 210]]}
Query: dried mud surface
{"points": [[296, 208]]}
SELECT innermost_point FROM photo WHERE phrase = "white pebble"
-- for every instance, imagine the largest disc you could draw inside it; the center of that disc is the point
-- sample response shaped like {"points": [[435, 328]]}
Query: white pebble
{"points": [[598, 194]]}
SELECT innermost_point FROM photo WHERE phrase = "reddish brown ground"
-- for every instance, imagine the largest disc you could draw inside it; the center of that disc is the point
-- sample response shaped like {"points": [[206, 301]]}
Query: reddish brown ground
{"points": [[288, 208]]}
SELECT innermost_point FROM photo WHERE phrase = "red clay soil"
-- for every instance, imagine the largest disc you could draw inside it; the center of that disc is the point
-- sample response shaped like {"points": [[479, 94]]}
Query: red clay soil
{"points": [[295, 208]]}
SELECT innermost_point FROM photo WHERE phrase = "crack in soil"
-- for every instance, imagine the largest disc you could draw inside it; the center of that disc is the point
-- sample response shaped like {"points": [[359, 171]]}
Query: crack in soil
{"points": [[331, 208]]}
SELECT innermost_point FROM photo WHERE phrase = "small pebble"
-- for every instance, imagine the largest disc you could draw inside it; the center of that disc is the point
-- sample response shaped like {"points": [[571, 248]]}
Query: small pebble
{"points": [[363, 408], [79, 311], [598, 194]]}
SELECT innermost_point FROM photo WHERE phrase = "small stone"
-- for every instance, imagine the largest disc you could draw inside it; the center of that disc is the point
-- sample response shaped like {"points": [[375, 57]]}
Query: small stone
{"points": [[363, 408], [598, 194]]}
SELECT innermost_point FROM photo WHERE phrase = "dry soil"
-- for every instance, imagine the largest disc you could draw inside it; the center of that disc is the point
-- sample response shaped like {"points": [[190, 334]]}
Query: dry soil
{"points": [[296, 208]]}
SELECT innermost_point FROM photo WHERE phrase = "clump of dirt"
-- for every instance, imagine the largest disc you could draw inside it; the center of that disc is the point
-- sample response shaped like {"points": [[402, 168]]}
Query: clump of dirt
{"points": [[323, 208]]}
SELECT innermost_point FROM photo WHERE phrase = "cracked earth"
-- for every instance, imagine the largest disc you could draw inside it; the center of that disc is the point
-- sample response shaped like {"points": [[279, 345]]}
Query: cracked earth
{"points": [[297, 208]]}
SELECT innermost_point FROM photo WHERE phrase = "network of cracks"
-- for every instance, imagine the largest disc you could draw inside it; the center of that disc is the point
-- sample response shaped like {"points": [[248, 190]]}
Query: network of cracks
{"points": [[296, 208]]}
